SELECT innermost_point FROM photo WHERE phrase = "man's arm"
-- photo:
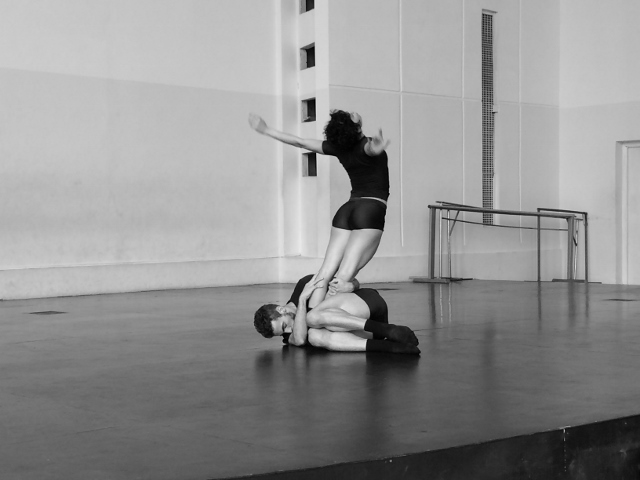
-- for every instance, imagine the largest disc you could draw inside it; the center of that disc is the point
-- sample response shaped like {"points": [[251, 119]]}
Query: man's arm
{"points": [[300, 328], [260, 126]]}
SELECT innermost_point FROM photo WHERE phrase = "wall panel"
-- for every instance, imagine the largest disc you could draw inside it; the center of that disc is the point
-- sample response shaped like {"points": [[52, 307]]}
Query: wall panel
{"points": [[364, 44], [432, 47]]}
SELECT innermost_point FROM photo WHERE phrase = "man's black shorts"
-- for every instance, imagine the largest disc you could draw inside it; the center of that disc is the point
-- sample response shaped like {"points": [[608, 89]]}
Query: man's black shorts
{"points": [[377, 305]]}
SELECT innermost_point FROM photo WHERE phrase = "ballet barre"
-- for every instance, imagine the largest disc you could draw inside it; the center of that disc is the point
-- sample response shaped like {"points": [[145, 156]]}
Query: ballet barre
{"points": [[569, 215]]}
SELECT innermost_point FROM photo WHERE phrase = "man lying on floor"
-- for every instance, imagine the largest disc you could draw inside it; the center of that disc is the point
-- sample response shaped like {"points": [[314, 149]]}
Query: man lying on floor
{"points": [[344, 322]]}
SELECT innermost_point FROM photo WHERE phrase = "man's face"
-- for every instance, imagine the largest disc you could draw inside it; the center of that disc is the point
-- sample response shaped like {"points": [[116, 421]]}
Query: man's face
{"points": [[283, 324]]}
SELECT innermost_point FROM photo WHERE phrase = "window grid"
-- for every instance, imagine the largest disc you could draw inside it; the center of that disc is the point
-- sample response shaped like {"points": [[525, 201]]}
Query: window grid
{"points": [[488, 125]]}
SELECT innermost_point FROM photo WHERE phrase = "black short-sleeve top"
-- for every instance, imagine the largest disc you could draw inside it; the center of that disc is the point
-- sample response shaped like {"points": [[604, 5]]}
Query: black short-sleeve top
{"points": [[295, 295], [369, 175]]}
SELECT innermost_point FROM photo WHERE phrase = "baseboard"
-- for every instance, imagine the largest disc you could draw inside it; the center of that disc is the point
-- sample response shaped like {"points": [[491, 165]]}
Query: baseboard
{"points": [[136, 277]]}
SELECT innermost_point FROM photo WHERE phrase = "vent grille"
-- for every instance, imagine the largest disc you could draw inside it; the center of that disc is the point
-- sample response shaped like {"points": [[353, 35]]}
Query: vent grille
{"points": [[306, 5], [308, 56], [309, 110], [488, 125], [309, 165]]}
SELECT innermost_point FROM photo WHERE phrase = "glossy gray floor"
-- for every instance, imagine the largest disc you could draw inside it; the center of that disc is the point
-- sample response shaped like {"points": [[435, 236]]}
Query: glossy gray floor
{"points": [[177, 385]]}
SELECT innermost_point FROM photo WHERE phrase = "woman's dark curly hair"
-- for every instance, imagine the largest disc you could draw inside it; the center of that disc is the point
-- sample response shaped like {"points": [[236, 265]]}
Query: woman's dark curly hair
{"points": [[341, 131], [262, 319]]}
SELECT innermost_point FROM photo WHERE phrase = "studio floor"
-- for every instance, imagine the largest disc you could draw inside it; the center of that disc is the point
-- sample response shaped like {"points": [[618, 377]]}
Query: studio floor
{"points": [[177, 385]]}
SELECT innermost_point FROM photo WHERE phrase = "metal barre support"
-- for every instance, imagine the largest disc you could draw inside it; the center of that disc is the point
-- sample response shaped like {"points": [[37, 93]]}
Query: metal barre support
{"points": [[432, 241], [538, 250], [585, 221], [571, 221], [586, 248]]}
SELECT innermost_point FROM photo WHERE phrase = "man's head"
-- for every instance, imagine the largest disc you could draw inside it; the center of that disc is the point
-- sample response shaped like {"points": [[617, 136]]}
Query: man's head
{"points": [[273, 320]]}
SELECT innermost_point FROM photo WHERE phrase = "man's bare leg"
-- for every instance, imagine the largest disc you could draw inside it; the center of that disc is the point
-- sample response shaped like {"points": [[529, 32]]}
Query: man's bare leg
{"points": [[339, 320], [349, 342], [336, 341]]}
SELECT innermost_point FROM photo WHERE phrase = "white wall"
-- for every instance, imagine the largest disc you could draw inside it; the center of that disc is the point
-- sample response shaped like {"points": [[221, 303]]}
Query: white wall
{"points": [[129, 165], [600, 106], [416, 74], [126, 158]]}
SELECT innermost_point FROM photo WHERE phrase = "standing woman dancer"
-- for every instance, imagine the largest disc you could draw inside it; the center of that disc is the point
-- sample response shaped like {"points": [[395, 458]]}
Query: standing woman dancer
{"points": [[358, 225]]}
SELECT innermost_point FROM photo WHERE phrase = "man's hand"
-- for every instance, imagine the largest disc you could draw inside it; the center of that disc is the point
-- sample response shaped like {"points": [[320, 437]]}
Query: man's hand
{"points": [[257, 123], [340, 286], [310, 287]]}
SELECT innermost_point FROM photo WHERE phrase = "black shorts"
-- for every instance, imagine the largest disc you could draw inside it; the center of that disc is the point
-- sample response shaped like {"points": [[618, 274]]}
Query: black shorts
{"points": [[360, 213], [377, 305]]}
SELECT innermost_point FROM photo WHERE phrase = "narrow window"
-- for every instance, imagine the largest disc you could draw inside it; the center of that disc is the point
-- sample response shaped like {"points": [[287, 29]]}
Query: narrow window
{"points": [[488, 125], [309, 166], [306, 5], [309, 110], [308, 56]]}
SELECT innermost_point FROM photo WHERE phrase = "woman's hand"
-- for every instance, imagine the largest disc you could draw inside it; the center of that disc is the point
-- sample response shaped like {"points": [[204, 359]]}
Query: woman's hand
{"points": [[257, 123], [377, 144]]}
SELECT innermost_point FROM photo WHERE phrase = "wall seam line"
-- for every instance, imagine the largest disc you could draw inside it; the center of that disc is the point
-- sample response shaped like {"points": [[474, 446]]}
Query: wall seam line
{"points": [[400, 102]]}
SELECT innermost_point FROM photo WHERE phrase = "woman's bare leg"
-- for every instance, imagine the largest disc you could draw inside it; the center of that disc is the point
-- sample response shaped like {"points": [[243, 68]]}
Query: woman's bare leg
{"points": [[338, 242], [360, 249]]}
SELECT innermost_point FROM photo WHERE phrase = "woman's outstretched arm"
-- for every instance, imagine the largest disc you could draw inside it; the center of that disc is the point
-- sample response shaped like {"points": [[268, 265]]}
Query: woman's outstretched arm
{"points": [[259, 125]]}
